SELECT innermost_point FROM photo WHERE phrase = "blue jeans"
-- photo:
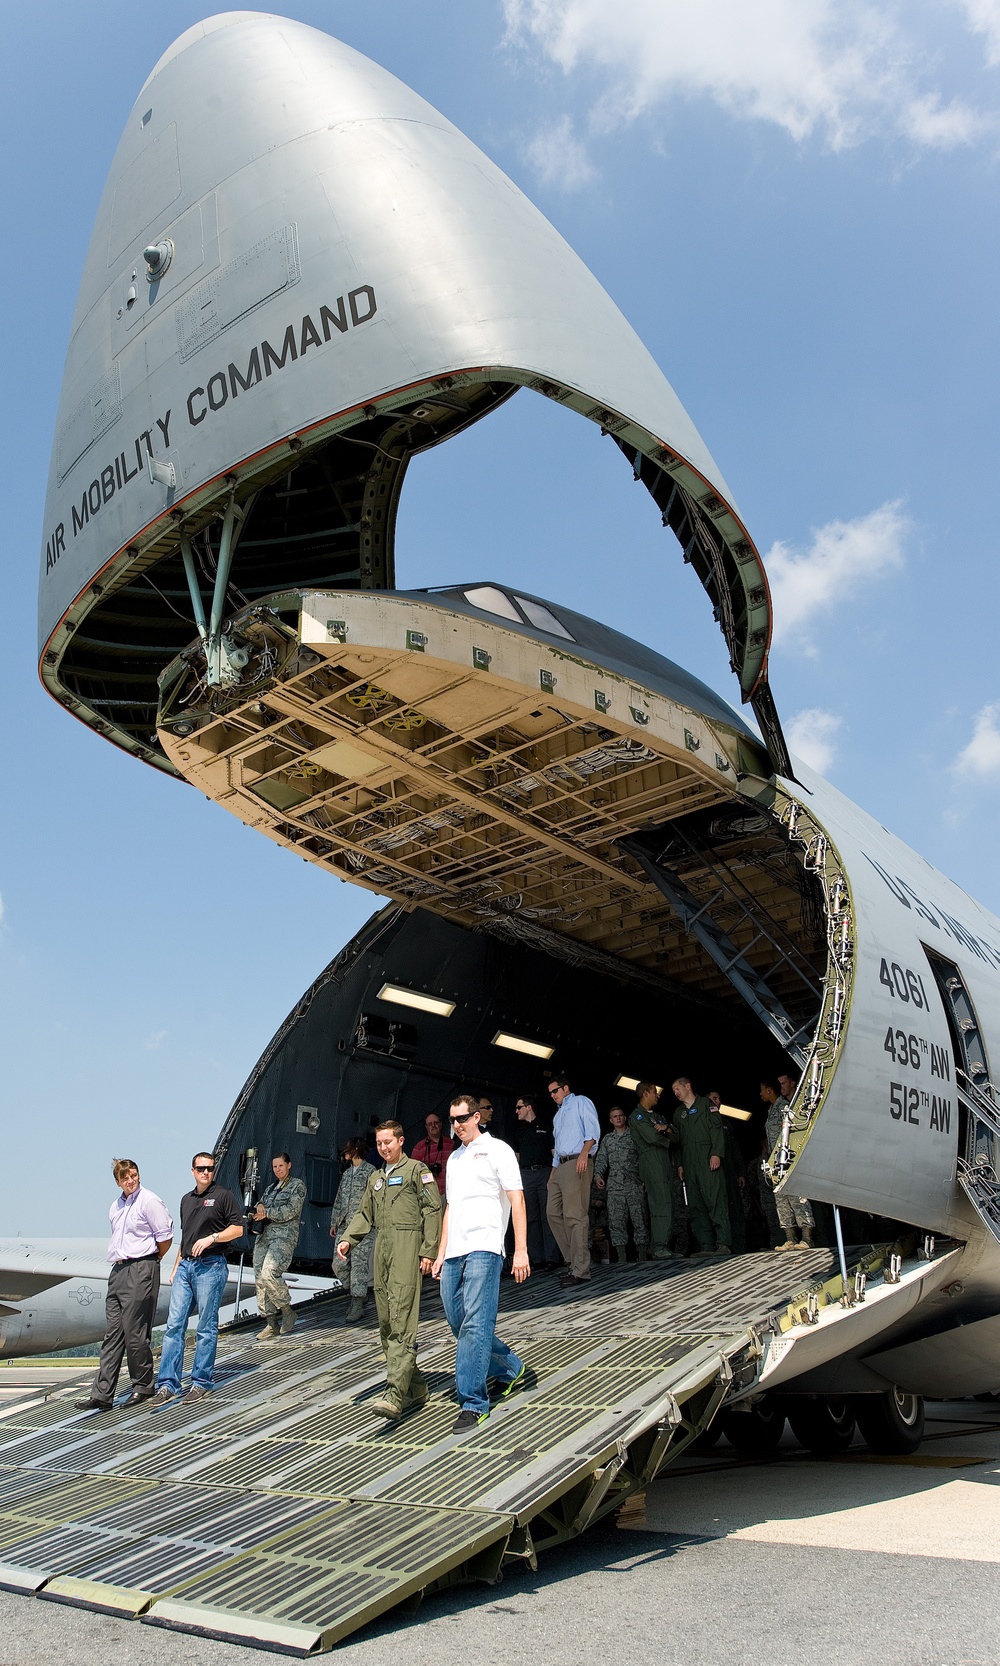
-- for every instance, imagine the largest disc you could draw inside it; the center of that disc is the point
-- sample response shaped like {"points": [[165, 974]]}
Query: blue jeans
{"points": [[197, 1283], [470, 1291]]}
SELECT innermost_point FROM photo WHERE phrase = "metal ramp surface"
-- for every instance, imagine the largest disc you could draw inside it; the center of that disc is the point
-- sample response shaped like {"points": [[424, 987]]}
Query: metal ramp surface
{"points": [[283, 1512]]}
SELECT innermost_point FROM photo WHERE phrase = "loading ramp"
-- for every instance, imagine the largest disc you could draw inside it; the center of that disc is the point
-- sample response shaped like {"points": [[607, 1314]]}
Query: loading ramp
{"points": [[283, 1512]]}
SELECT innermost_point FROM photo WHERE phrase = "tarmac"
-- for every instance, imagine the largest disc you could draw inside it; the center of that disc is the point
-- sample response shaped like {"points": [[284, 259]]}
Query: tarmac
{"points": [[791, 1561]]}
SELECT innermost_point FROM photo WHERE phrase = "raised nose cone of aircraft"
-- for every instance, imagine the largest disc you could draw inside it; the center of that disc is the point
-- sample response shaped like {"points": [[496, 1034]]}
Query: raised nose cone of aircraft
{"points": [[299, 263]]}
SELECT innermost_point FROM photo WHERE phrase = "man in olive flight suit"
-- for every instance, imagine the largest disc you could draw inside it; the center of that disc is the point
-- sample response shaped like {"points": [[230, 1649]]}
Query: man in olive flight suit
{"points": [[403, 1204], [702, 1140], [649, 1134]]}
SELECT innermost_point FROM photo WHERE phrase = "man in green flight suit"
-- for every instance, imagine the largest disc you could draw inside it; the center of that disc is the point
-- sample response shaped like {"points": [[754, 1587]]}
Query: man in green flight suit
{"points": [[403, 1204], [650, 1136], [702, 1138]]}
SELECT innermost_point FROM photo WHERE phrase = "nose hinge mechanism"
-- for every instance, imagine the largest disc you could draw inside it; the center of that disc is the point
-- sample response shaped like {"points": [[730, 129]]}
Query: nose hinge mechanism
{"points": [[225, 659]]}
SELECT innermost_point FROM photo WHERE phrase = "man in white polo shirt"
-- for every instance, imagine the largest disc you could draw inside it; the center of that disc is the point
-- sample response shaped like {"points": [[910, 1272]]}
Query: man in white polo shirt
{"points": [[484, 1192]]}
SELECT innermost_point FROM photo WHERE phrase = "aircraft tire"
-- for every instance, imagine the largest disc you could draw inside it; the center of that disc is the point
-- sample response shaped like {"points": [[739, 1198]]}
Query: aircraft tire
{"points": [[756, 1431], [824, 1425], [892, 1422]]}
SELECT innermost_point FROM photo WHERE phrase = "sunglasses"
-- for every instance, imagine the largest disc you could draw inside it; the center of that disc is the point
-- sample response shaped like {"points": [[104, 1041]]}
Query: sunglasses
{"points": [[204, 1168], [464, 1118]]}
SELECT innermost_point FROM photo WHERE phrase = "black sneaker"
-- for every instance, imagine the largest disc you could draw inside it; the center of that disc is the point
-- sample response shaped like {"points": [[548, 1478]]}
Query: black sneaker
{"points": [[468, 1420]]}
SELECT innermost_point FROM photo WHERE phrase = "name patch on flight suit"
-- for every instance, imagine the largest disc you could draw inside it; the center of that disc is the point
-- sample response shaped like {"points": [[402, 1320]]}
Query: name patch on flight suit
{"points": [[397, 1180]]}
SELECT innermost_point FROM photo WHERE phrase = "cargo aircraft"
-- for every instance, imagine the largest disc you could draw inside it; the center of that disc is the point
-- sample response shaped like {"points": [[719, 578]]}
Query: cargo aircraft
{"points": [[301, 276]]}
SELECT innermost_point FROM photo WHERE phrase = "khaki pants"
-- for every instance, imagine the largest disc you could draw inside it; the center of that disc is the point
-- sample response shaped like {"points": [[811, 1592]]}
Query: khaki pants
{"points": [[568, 1214]]}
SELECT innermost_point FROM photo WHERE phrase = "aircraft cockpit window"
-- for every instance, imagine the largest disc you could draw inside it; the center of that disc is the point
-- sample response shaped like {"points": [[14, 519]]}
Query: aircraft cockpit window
{"points": [[543, 618], [492, 600]]}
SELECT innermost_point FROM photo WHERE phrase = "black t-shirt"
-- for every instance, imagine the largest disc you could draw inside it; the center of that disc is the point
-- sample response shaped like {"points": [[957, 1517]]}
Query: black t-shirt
{"points": [[203, 1213], [533, 1144]]}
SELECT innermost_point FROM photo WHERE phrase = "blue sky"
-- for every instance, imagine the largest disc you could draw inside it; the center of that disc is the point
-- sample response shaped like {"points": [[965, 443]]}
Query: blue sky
{"points": [[795, 206]]}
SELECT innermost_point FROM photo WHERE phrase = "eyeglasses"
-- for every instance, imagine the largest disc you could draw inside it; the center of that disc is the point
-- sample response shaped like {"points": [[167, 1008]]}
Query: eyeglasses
{"points": [[462, 1118], [485, 1105], [204, 1168]]}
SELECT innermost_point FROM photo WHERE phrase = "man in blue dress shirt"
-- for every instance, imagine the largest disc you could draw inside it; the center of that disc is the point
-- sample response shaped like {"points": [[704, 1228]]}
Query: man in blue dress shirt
{"points": [[576, 1135]]}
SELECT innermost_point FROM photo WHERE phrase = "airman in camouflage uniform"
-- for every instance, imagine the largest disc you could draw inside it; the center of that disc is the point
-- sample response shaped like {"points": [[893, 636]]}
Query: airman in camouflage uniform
{"points": [[616, 1172], [403, 1204], [792, 1211], [278, 1213], [350, 1192]]}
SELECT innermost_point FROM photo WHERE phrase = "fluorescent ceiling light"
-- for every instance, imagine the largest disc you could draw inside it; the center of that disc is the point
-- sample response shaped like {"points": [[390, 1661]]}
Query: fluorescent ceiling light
{"points": [[735, 1113], [414, 998], [518, 1044], [632, 1082]]}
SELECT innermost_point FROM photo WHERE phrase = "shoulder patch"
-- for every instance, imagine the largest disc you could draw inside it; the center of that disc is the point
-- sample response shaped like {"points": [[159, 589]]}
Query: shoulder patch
{"points": [[379, 1184], [427, 1179]]}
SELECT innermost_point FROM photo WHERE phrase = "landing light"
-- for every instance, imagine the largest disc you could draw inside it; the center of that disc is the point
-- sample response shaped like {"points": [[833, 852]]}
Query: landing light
{"points": [[414, 998], [518, 1044], [630, 1083]]}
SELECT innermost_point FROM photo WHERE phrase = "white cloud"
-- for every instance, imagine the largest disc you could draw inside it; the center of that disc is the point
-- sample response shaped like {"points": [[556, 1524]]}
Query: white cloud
{"points": [[811, 736], [843, 556], [840, 69], [983, 17], [558, 157], [152, 1042], [980, 759]]}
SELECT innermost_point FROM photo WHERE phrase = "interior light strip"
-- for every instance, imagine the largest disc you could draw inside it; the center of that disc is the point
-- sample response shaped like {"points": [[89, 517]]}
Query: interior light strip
{"points": [[414, 998], [632, 1082], [518, 1044]]}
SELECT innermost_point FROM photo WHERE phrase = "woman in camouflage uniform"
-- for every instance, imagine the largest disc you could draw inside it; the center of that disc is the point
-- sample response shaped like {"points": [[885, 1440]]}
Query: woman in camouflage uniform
{"points": [[346, 1205], [616, 1170], [276, 1223]]}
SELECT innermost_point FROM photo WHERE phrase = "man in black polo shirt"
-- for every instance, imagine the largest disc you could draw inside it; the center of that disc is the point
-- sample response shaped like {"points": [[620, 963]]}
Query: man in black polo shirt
{"points": [[210, 1217], [533, 1143]]}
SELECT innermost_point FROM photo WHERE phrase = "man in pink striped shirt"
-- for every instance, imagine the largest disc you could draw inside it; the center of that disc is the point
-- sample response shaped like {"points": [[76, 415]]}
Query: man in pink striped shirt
{"points": [[141, 1234]]}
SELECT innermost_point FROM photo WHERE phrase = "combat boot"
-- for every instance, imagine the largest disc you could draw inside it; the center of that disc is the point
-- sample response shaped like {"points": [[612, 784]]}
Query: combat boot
{"points": [[356, 1311], [416, 1395], [619, 1255], [287, 1320], [270, 1330], [807, 1238], [642, 1252], [791, 1242], [388, 1405]]}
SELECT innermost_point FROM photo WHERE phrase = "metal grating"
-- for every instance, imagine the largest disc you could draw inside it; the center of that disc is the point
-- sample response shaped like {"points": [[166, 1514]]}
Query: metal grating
{"points": [[308, 1589], [282, 1510]]}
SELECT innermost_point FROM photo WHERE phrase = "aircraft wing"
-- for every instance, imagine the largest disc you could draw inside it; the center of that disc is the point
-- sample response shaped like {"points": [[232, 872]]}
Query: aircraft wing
{"points": [[26, 1269]]}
